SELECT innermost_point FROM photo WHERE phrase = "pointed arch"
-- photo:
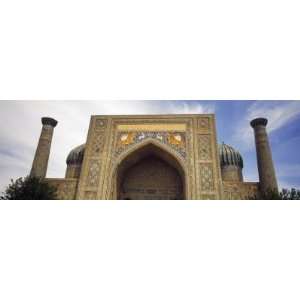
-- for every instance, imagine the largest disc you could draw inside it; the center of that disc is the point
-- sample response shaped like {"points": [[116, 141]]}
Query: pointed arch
{"points": [[141, 151]]}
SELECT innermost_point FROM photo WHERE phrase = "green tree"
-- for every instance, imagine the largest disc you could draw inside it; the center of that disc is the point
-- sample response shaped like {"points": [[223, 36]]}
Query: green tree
{"points": [[29, 188], [270, 195], [292, 194], [285, 194]]}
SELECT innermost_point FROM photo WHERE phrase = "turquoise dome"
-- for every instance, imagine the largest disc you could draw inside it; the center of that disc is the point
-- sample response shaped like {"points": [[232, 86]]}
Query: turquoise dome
{"points": [[75, 157], [229, 156]]}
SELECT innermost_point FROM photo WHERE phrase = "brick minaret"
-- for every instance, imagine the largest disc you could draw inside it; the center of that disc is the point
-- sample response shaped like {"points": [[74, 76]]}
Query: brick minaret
{"points": [[40, 162], [266, 171]]}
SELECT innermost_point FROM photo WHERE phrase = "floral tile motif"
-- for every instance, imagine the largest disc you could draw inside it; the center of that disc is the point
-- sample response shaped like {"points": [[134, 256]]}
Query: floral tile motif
{"points": [[93, 173], [176, 140]]}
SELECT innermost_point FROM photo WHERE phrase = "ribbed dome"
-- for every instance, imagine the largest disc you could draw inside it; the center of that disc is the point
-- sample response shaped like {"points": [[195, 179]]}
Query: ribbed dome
{"points": [[230, 156], [76, 155]]}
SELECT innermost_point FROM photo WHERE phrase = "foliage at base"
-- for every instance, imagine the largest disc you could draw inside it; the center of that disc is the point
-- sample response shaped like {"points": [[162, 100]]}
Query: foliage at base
{"points": [[29, 188], [285, 194], [291, 194]]}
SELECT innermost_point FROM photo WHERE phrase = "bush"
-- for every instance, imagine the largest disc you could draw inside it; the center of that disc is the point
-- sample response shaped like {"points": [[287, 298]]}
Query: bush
{"points": [[270, 195], [29, 188], [291, 194]]}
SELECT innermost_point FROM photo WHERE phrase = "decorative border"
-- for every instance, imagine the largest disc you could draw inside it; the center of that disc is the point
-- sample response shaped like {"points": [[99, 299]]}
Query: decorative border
{"points": [[176, 140], [187, 159], [203, 123]]}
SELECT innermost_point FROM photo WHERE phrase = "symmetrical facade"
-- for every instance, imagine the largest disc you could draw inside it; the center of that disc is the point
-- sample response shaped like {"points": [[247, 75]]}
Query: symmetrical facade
{"points": [[155, 157]]}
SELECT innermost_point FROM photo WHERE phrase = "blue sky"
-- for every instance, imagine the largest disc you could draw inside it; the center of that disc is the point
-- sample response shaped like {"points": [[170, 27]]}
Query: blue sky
{"points": [[283, 129], [21, 120]]}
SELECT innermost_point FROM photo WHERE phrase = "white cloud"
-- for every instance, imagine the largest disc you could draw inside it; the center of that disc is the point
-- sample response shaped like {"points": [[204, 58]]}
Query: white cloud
{"points": [[278, 114], [20, 134]]}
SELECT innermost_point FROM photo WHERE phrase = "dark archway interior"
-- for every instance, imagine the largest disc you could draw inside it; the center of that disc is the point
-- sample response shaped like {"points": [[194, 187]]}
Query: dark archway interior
{"points": [[150, 173]]}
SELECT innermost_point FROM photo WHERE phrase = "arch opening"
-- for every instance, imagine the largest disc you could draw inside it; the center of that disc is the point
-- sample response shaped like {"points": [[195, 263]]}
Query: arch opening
{"points": [[150, 172]]}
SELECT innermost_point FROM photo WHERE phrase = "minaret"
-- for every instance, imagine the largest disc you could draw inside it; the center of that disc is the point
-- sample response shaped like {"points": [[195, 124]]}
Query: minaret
{"points": [[40, 162], [266, 171]]}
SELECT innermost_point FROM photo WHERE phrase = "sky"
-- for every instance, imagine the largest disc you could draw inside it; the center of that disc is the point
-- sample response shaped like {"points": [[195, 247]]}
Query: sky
{"points": [[21, 126]]}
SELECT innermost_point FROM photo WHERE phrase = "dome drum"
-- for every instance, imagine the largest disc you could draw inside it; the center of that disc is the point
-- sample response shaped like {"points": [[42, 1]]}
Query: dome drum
{"points": [[73, 171], [231, 173]]}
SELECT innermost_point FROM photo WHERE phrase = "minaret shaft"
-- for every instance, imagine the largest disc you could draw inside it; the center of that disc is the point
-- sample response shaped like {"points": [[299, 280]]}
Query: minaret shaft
{"points": [[266, 171], [42, 153]]}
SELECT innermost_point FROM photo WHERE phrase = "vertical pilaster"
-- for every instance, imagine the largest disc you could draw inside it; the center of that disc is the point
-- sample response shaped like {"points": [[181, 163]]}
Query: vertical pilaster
{"points": [[208, 173], [266, 171], [40, 162]]}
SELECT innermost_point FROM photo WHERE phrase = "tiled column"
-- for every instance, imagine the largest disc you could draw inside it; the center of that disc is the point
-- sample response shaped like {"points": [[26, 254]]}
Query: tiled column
{"points": [[266, 171], [40, 162]]}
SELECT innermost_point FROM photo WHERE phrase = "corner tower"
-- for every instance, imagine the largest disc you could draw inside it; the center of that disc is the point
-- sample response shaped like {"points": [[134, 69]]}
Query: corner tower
{"points": [[40, 162], [266, 171]]}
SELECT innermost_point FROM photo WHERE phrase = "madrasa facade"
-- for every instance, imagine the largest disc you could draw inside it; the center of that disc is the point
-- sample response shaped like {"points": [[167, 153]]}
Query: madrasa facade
{"points": [[156, 157]]}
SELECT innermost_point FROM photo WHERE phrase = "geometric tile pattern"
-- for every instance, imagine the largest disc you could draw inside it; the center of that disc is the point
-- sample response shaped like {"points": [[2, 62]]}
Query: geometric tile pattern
{"points": [[203, 123], [204, 147], [206, 177], [98, 142]]}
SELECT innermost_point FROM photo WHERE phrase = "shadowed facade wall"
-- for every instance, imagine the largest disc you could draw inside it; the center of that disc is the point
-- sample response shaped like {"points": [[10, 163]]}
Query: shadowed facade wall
{"points": [[234, 190], [66, 188], [151, 178]]}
